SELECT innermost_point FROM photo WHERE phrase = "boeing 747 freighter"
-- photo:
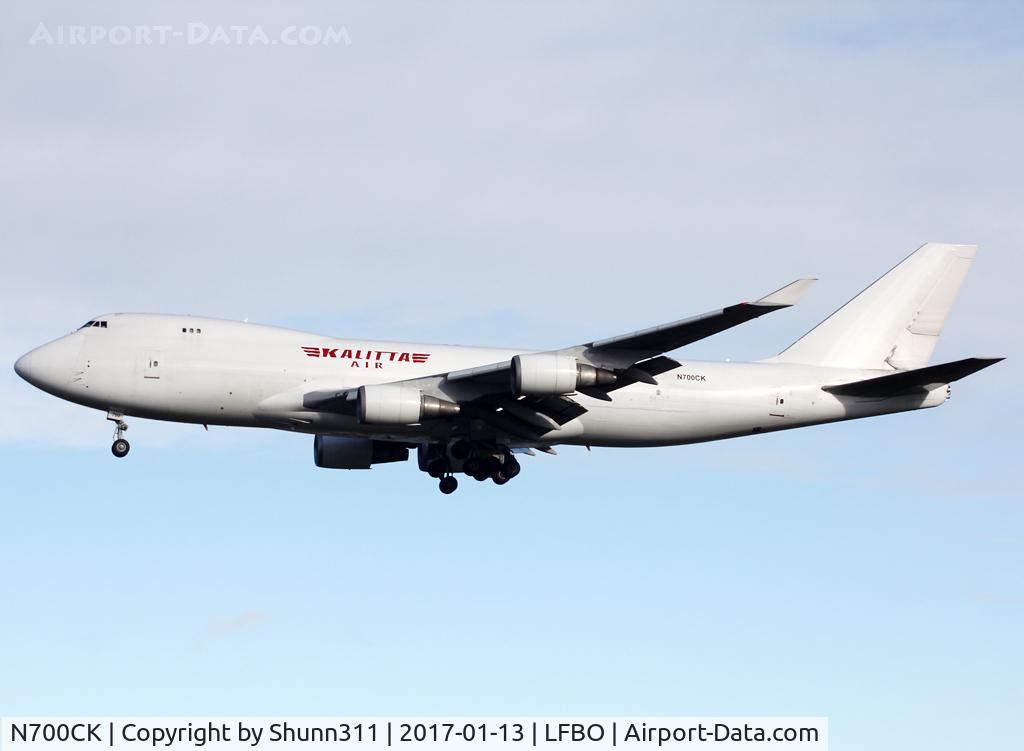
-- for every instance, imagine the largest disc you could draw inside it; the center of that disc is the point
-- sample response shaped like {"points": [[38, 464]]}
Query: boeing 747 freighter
{"points": [[473, 410]]}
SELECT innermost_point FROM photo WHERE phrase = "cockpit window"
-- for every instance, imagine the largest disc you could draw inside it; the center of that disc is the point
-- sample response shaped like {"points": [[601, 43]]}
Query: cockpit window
{"points": [[97, 324], [86, 325]]}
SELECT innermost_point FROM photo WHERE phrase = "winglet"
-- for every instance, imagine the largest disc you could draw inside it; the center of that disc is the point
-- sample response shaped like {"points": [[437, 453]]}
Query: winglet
{"points": [[788, 295]]}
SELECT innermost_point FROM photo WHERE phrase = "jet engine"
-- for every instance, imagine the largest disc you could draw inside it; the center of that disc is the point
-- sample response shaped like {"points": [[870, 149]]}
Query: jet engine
{"points": [[343, 452], [549, 374], [399, 404]]}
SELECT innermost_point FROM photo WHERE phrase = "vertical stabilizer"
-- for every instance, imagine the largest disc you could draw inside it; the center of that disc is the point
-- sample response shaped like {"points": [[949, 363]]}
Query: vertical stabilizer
{"points": [[895, 323]]}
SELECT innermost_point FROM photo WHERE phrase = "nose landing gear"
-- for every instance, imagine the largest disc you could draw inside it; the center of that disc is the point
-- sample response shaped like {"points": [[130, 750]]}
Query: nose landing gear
{"points": [[120, 447]]}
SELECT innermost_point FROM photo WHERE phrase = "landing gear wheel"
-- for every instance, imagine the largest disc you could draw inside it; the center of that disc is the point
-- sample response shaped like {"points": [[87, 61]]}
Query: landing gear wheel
{"points": [[120, 446], [500, 478], [448, 484], [471, 466], [481, 476], [437, 468], [511, 468]]}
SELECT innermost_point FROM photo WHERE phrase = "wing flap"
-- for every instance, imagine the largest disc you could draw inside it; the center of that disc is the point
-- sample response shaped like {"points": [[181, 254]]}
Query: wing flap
{"points": [[526, 418]]}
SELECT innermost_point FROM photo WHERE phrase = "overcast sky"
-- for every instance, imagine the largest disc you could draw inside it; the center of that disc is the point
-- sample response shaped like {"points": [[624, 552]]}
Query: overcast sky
{"points": [[534, 174]]}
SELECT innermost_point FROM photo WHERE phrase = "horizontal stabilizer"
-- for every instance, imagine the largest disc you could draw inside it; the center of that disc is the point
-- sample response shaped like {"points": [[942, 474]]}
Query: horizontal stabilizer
{"points": [[912, 380]]}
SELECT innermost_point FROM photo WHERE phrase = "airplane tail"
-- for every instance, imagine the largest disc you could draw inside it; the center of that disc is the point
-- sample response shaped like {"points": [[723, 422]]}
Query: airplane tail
{"points": [[895, 323]]}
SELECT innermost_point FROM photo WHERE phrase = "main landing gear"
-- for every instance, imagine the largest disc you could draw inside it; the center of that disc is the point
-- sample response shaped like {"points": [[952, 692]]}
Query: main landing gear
{"points": [[120, 447], [477, 460]]}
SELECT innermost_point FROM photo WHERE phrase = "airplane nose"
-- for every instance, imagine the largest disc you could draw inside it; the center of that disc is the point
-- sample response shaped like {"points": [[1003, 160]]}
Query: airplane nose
{"points": [[23, 367], [52, 366]]}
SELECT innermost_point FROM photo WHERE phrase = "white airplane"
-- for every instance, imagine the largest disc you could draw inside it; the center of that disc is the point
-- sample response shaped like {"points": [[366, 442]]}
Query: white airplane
{"points": [[472, 409]]}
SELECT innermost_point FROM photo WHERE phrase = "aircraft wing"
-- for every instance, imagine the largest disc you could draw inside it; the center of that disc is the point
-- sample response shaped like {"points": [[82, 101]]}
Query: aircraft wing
{"points": [[636, 356], [523, 418], [485, 393], [639, 345]]}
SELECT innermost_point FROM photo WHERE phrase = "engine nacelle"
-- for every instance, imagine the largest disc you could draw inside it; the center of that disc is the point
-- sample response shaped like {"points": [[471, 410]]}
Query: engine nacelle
{"points": [[343, 452], [549, 374], [399, 404]]}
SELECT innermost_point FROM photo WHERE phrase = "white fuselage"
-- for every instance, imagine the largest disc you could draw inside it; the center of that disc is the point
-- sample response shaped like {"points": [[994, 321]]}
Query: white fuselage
{"points": [[201, 370]]}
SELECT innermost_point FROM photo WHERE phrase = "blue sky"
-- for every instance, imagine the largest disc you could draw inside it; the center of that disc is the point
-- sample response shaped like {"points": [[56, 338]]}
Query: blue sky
{"points": [[532, 175]]}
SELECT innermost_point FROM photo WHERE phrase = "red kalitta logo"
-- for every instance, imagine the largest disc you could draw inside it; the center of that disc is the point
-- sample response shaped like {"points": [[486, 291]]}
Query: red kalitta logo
{"points": [[366, 358]]}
